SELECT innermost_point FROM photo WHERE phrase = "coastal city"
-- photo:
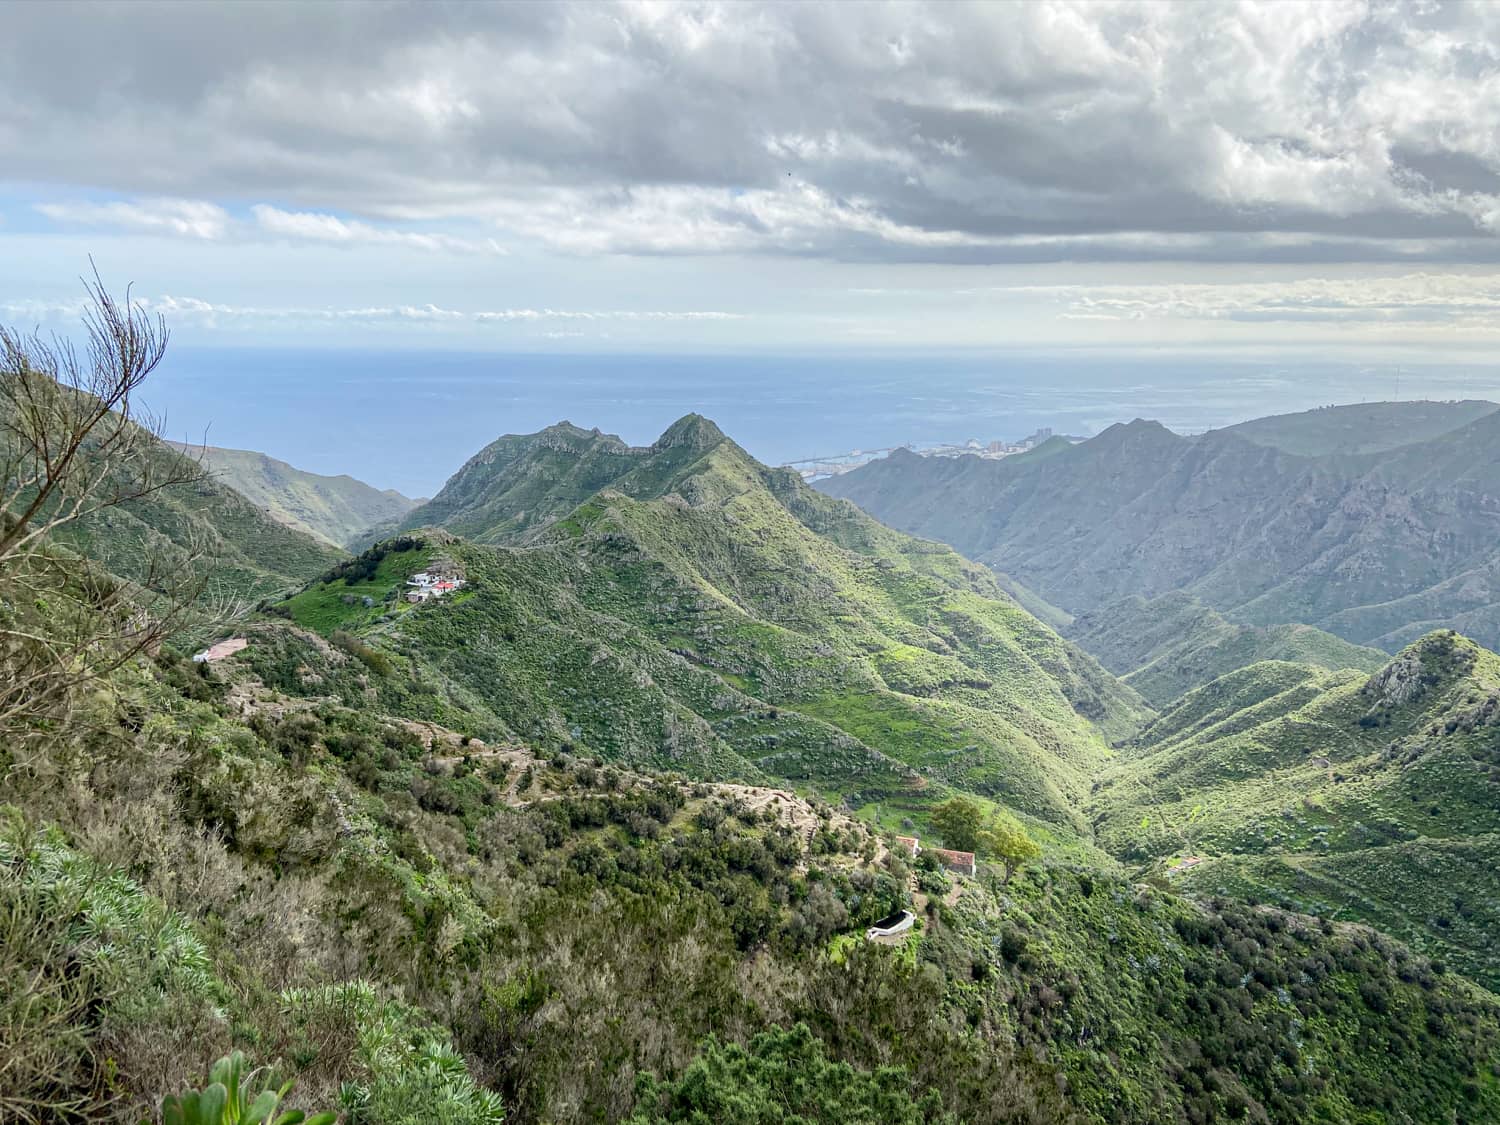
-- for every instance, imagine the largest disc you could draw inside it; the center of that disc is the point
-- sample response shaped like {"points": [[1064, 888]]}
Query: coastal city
{"points": [[819, 468]]}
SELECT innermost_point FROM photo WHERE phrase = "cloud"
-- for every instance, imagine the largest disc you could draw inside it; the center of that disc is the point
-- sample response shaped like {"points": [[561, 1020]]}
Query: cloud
{"points": [[190, 218], [311, 226], [1420, 299], [202, 313], [196, 218], [1319, 132]]}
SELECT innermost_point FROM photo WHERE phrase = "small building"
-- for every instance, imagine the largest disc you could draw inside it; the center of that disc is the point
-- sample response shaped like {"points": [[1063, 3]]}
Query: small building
{"points": [[422, 579], [220, 651], [444, 586], [961, 863], [420, 595], [909, 845]]}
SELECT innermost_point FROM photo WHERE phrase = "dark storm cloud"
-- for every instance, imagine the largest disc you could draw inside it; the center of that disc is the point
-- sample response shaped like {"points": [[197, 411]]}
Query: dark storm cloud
{"points": [[1333, 131]]}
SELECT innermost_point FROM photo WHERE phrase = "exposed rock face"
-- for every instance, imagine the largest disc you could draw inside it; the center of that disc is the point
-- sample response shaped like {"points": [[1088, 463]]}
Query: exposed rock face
{"points": [[1399, 682]]}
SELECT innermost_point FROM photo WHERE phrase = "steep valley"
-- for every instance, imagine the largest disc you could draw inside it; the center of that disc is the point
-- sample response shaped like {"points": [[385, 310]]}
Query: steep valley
{"points": [[595, 835]]}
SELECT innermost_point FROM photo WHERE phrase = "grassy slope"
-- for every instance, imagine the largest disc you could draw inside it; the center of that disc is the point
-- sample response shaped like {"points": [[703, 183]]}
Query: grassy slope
{"points": [[334, 509], [380, 857], [437, 876], [1169, 645], [1332, 791], [732, 622], [252, 555]]}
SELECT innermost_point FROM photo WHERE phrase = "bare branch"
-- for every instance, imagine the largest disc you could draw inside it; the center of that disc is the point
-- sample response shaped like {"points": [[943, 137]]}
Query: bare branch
{"points": [[74, 444]]}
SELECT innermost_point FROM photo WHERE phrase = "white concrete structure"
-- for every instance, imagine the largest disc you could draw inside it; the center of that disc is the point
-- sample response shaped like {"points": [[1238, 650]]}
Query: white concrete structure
{"points": [[906, 921]]}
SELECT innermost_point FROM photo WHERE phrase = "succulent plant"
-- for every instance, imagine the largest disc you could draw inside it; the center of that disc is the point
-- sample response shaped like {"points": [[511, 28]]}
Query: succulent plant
{"points": [[234, 1097]]}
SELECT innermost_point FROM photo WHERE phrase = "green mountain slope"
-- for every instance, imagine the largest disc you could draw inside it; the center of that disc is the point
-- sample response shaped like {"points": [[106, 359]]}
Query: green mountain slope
{"points": [[1172, 644], [436, 897], [252, 555], [428, 855], [1374, 547], [1371, 427], [1369, 797], [707, 612], [522, 482], [334, 509]]}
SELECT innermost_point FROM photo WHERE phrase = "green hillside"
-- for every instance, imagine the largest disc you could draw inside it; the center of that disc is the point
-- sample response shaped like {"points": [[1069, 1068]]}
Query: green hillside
{"points": [[725, 619], [334, 509], [1169, 645], [251, 555], [436, 896], [1368, 797], [1375, 547], [597, 837], [518, 483], [1369, 427]]}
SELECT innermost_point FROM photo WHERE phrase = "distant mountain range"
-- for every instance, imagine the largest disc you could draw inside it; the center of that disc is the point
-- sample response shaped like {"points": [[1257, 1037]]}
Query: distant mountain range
{"points": [[1376, 547], [252, 555], [333, 509]]}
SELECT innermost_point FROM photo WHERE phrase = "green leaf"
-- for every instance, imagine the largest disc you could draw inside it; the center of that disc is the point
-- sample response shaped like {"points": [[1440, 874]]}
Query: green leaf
{"points": [[211, 1104], [262, 1107]]}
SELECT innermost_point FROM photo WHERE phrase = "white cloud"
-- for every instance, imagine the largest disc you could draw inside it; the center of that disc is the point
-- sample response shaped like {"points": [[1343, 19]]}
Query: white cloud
{"points": [[200, 219], [312, 226], [1467, 301], [189, 218], [195, 310], [1050, 130]]}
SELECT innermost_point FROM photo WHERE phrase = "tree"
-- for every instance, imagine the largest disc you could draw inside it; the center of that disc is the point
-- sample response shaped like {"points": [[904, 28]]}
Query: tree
{"points": [[1006, 839], [75, 444], [959, 820]]}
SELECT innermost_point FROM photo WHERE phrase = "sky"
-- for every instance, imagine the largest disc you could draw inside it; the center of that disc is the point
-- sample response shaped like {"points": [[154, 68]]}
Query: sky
{"points": [[703, 178]]}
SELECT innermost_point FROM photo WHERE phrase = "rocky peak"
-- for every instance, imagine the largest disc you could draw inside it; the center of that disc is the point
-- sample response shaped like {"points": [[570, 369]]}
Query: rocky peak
{"points": [[693, 431]]}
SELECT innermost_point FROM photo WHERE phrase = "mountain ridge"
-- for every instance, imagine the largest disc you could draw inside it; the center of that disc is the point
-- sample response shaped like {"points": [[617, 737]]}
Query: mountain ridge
{"points": [[334, 508], [1371, 547], [709, 566], [1276, 772]]}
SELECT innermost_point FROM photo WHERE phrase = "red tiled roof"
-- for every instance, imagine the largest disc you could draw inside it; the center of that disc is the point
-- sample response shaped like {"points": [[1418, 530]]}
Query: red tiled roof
{"points": [[953, 858]]}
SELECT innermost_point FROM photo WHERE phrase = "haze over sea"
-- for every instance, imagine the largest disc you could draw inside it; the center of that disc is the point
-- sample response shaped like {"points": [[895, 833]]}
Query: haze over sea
{"points": [[407, 419]]}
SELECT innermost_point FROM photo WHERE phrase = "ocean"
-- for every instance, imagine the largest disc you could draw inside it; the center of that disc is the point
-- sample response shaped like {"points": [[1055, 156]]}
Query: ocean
{"points": [[408, 419]]}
